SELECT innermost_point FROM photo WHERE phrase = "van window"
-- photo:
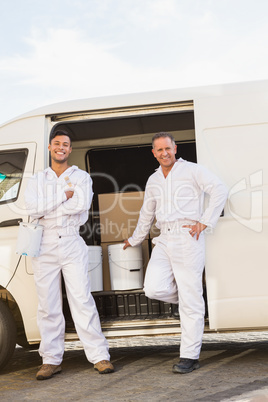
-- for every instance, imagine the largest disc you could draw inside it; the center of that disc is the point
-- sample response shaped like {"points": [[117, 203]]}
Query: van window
{"points": [[12, 164]]}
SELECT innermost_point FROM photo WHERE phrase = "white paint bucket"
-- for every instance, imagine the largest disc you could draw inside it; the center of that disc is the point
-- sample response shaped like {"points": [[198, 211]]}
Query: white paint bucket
{"points": [[126, 267], [29, 239], [95, 268]]}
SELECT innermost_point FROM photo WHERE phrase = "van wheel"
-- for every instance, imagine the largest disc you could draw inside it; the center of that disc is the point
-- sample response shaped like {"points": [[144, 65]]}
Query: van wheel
{"points": [[8, 333]]}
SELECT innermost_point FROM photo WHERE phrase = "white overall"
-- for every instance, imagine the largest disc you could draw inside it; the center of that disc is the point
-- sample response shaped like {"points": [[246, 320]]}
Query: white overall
{"points": [[174, 275], [64, 251], [174, 272]]}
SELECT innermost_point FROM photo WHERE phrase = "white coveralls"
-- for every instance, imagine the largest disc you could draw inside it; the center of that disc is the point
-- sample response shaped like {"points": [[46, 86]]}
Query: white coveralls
{"points": [[64, 251], [174, 272]]}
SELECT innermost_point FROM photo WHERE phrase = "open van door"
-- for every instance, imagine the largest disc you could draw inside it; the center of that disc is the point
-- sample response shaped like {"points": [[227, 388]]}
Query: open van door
{"points": [[16, 166], [232, 141]]}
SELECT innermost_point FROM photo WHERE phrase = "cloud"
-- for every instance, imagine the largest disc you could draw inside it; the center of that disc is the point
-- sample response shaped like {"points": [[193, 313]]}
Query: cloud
{"points": [[67, 62], [108, 50], [64, 59]]}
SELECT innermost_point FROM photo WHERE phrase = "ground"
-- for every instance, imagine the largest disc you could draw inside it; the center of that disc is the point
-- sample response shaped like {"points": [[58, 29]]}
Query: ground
{"points": [[234, 367]]}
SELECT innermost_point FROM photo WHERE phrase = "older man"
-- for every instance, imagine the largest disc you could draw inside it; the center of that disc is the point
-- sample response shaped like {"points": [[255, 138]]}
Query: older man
{"points": [[174, 194]]}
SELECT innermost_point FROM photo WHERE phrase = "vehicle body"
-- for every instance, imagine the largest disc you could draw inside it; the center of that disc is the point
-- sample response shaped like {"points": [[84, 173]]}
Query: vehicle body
{"points": [[222, 127]]}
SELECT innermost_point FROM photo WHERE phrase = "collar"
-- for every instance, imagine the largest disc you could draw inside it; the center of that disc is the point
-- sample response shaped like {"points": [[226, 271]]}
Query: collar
{"points": [[50, 172], [180, 160]]}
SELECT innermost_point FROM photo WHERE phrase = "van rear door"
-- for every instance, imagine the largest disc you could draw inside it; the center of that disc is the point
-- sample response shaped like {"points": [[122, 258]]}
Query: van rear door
{"points": [[16, 166], [232, 141]]}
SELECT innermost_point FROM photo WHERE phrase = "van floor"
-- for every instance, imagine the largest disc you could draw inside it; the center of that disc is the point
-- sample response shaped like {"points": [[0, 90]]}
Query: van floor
{"points": [[129, 306]]}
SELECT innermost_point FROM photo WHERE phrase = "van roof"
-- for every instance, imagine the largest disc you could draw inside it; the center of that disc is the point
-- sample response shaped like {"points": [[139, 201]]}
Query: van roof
{"points": [[145, 98]]}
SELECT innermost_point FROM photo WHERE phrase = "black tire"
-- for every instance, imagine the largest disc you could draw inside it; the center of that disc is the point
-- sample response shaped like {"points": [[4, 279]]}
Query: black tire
{"points": [[8, 334]]}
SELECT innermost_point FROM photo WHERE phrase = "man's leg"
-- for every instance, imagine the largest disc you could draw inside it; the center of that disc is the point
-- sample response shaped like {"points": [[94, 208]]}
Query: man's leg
{"points": [[188, 265], [81, 302], [159, 280], [49, 316]]}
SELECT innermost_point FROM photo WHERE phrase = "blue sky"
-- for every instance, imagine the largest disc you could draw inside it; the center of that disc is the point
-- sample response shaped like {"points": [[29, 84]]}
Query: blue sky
{"points": [[52, 51]]}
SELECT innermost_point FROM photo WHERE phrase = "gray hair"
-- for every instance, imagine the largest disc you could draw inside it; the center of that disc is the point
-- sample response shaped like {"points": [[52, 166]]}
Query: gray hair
{"points": [[163, 134]]}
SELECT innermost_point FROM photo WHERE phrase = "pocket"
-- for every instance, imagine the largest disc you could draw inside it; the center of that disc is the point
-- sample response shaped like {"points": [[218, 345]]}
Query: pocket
{"points": [[194, 251]]}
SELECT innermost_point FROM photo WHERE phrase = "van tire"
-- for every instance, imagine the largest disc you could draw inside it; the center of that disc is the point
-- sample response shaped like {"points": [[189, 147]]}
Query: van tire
{"points": [[8, 334]]}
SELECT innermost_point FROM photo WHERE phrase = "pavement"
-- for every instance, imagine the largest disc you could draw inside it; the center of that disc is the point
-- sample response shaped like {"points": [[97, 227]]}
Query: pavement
{"points": [[234, 367]]}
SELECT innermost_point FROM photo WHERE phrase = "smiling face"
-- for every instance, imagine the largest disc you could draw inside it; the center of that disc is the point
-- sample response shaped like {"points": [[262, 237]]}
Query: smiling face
{"points": [[164, 151], [60, 149]]}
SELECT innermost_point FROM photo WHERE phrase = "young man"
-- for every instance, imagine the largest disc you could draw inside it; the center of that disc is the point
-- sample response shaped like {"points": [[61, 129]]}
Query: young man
{"points": [[60, 198], [174, 194]]}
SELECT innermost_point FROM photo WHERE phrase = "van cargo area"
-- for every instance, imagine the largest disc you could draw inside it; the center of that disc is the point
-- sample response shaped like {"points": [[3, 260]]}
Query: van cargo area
{"points": [[116, 151]]}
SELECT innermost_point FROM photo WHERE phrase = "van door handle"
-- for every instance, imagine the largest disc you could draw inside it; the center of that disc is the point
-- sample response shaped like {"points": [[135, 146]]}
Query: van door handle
{"points": [[10, 222]]}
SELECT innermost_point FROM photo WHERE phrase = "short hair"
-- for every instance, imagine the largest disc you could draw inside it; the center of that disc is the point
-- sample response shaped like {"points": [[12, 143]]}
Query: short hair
{"points": [[163, 134], [60, 131]]}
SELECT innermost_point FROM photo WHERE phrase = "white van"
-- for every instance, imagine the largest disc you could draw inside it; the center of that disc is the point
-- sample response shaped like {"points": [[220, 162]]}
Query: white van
{"points": [[222, 127]]}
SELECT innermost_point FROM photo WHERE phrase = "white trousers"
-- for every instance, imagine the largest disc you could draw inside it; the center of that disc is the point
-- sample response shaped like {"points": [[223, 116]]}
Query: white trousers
{"points": [[174, 275], [66, 254]]}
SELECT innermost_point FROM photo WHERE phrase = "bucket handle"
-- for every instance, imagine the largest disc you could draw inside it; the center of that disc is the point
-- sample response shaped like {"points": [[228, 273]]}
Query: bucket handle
{"points": [[96, 266], [143, 263], [130, 270]]}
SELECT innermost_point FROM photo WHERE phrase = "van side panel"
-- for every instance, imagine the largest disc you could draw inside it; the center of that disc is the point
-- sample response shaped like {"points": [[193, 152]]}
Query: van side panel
{"points": [[16, 276], [232, 141]]}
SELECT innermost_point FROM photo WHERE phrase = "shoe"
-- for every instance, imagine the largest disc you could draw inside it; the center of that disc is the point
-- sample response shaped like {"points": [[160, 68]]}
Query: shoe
{"points": [[46, 371], [104, 367], [186, 366]]}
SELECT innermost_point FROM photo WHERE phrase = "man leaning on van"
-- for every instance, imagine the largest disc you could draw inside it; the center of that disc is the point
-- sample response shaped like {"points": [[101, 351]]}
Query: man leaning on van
{"points": [[174, 194]]}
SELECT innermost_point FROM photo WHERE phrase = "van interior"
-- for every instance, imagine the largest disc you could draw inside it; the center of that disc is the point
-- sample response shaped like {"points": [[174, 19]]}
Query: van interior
{"points": [[116, 151]]}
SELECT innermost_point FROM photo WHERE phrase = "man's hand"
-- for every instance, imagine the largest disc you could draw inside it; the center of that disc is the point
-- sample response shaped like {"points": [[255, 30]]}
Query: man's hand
{"points": [[69, 194], [127, 244], [196, 229]]}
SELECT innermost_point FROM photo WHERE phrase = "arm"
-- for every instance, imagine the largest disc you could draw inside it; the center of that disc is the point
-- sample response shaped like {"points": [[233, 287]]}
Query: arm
{"points": [[39, 203], [79, 198], [145, 221], [211, 185], [64, 201], [217, 192]]}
